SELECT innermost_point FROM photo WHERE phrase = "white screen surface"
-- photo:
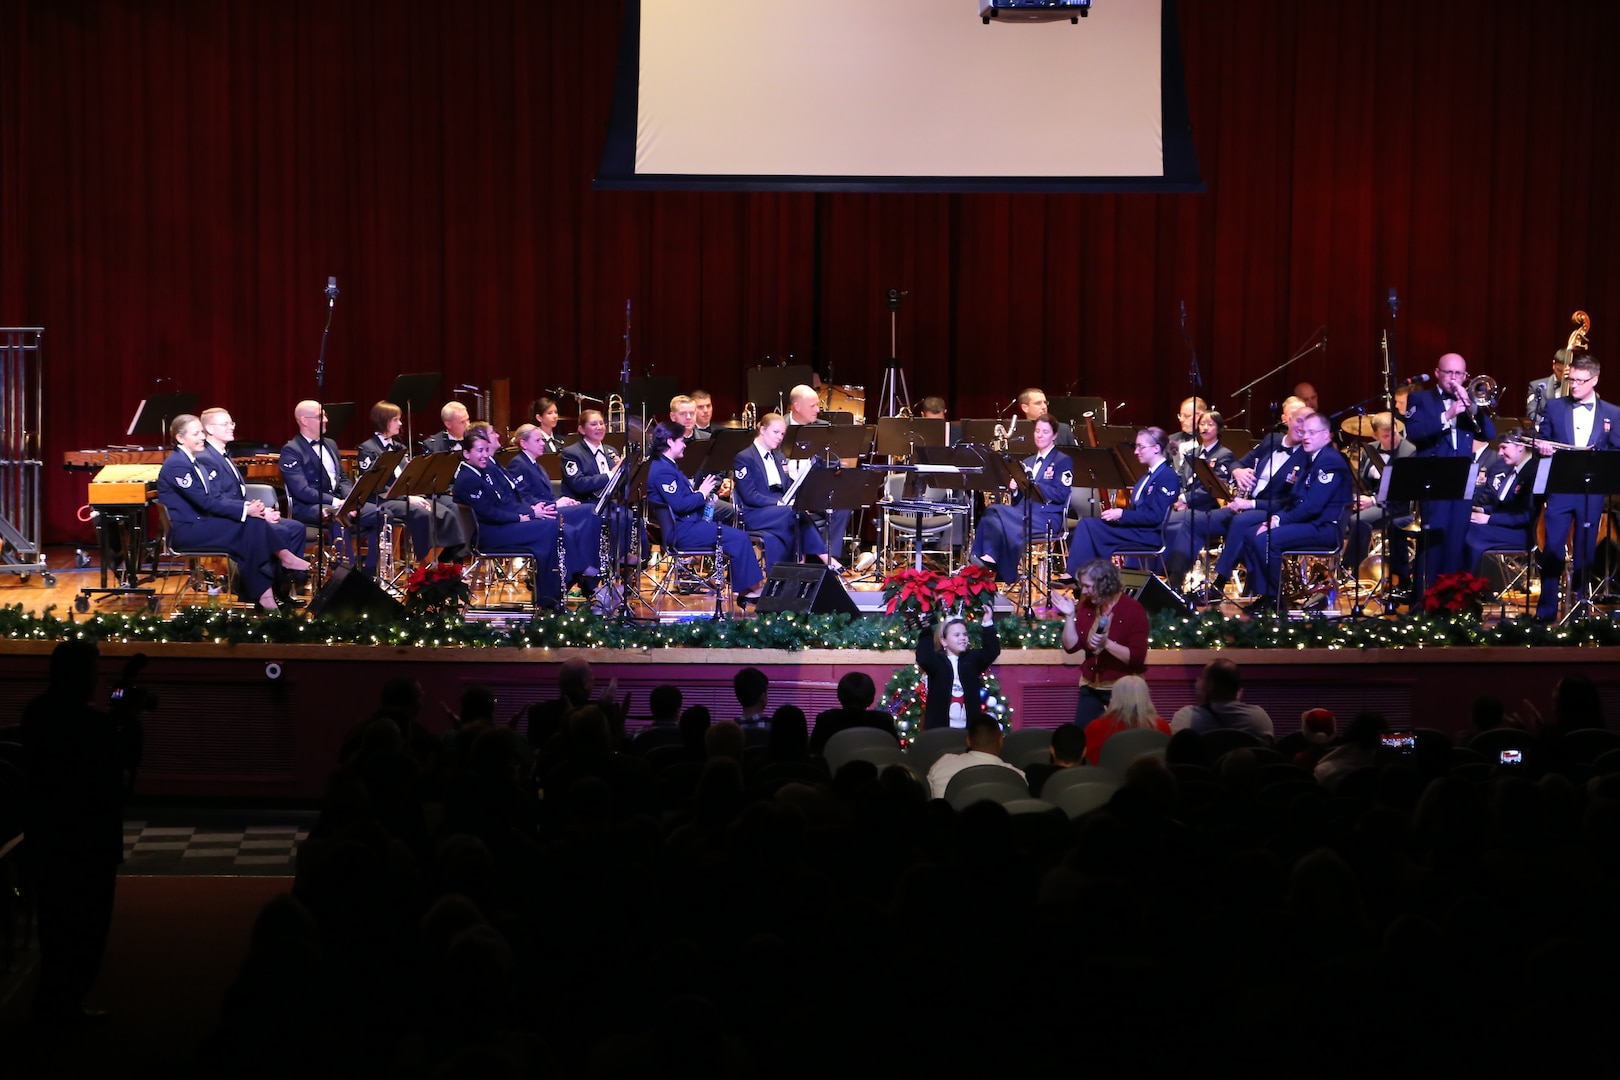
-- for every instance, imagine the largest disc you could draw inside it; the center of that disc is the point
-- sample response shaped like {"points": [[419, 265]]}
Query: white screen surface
{"points": [[896, 88]]}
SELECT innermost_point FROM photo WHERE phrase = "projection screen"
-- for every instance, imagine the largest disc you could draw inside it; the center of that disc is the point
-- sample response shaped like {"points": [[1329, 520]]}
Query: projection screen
{"points": [[897, 95]]}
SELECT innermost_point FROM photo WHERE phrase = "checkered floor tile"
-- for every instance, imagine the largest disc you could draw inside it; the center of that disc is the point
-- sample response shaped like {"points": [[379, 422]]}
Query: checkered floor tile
{"points": [[211, 849]]}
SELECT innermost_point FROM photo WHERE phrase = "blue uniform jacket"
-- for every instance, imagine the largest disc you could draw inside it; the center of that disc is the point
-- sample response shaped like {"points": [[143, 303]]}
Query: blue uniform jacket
{"points": [[750, 483], [1163, 485], [1558, 423], [1425, 427], [1056, 481], [581, 478], [302, 473], [1319, 491]]}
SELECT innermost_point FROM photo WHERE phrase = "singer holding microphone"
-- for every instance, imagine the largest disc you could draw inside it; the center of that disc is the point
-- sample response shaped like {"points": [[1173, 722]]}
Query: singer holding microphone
{"points": [[1106, 633]]}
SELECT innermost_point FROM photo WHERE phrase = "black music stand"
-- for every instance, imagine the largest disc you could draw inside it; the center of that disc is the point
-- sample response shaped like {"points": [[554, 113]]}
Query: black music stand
{"points": [[1590, 474], [428, 475], [724, 447], [1101, 468], [827, 490], [768, 387], [1073, 410], [1222, 493], [1427, 479], [1006, 468], [829, 443], [900, 436], [338, 414], [650, 397], [413, 392], [153, 414]]}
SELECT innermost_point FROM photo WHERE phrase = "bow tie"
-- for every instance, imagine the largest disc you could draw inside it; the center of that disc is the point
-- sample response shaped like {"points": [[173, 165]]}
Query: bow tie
{"points": [[1590, 405]]}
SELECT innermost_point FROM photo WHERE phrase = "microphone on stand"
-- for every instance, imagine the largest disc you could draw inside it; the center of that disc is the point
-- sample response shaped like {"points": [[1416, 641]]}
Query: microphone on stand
{"points": [[1183, 316], [1394, 303], [331, 291]]}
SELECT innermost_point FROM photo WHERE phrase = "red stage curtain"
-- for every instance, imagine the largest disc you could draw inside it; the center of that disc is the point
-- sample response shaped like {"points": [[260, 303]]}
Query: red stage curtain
{"points": [[178, 179]]}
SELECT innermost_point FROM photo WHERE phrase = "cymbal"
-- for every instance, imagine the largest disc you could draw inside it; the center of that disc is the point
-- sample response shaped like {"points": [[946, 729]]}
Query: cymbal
{"points": [[1361, 427]]}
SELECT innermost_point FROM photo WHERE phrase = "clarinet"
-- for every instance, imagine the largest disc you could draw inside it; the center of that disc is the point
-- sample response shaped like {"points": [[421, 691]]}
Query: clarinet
{"points": [[385, 552], [722, 568], [562, 559]]}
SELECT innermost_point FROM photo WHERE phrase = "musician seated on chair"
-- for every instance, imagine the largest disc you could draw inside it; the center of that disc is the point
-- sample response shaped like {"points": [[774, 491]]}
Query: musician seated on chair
{"points": [[683, 411], [1504, 512], [761, 482], [505, 521], [702, 415], [313, 475], [1260, 479], [1308, 517], [999, 541], [581, 528], [206, 512], [669, 488], [1366, 514], [587, 463], [1196, 500], [1139, 525], [1032, 404], [1187, 433], [804, 408], [221, 430], [433, 520], [454, 436], [544, 412]]}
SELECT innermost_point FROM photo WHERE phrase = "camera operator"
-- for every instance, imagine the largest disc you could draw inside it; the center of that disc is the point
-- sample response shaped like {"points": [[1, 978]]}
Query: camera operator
{"points": [[80, 763]]}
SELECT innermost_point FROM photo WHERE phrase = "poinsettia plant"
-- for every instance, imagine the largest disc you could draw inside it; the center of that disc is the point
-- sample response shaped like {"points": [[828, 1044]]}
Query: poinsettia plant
{"points": [[1453, 594], [963, 594], [437, 588]]}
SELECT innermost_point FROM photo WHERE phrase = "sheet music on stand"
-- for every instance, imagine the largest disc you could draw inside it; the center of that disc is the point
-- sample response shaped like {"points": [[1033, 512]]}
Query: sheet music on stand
{"points": [[614, 477]]}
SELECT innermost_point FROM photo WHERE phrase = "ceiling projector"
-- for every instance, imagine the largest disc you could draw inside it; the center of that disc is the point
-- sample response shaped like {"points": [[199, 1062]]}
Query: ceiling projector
{"points": [[1033, 11]]}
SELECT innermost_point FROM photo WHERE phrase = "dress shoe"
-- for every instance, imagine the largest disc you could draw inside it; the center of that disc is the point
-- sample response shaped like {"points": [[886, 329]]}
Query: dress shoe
{"points": [[1262, 605]]}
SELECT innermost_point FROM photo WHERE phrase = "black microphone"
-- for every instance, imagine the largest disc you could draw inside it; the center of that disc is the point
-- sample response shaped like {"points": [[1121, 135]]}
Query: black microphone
{"points": [[331, 291], [1183, 314], [1414, 380], [1394, 302]]}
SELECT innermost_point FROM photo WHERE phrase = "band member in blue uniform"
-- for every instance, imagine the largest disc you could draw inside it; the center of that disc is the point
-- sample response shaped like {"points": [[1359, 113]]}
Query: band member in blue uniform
{"points": [[312, 472], [505, 521], [1578, 419], [587, 463], [760, 476], [1141, 524], [1180, 546], [454, 436], [1443, 422], [1504, 514], [433, 521], [545, 414], [582, 529], [668, 487], [199, 516], [1309, 515], [230, 495], [999, 540]]}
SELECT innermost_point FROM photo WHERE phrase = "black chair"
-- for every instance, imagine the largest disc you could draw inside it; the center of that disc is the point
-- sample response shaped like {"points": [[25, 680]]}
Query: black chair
{"points": [[687, 569]]}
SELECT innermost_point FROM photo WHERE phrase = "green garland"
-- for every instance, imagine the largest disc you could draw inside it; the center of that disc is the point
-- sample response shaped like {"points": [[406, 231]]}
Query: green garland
{"points": [[782, 631]]}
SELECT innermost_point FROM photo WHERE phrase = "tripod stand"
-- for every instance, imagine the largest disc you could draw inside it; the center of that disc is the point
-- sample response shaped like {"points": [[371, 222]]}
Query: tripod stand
{"points": [[894, 378]]}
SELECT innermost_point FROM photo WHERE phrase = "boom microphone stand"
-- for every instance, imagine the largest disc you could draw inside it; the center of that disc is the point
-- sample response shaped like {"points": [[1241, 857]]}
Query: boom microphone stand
{"points": [[323, 481]]}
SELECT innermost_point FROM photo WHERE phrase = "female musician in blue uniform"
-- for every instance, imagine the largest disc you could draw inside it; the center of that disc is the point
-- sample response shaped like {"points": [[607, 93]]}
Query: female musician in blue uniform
{"points": [[761, 478], [667, 486], [505, 522], [999, 541], [204, 514]]}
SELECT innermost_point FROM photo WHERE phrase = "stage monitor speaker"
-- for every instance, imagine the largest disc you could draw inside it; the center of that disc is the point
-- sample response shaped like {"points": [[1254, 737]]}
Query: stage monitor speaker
{"points": [[349, 592], [807, 589], [1153, 594]]}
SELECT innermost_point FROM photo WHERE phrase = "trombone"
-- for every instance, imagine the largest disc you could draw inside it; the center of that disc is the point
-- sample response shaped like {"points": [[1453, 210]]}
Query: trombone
{"points": [[616, 420]]}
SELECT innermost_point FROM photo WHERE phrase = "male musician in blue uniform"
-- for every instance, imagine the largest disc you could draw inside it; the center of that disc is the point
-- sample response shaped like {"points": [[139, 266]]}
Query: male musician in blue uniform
{"points": [[1260, 479], [581, 528], [433, 521], [1547, 388], [1141, 524], [760, 476], [1504, 513], [1579, 419], [229, 493], [505, 521], [1444, 422], [1308, 517], [453, 437], [313, 474], [999, 540]]}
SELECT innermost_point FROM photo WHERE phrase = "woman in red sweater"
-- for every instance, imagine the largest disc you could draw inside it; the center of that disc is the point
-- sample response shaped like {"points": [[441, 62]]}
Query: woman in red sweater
{"points": [[1131, 707]]}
